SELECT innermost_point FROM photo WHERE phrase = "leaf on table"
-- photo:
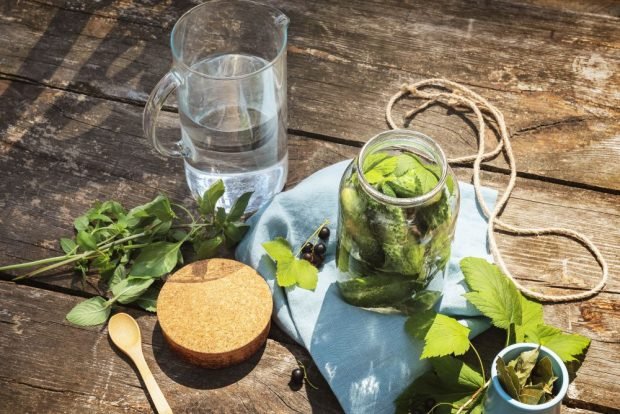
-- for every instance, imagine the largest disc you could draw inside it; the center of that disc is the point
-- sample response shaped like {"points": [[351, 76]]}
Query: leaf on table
{"points": [[234, 232], [450, 381], [567, 346], [86, 240], [456, 374], [68, 245], [148, 300], [508, 378], [532, 394], [239, 206], [81, 223], [156, 259], [99, 217], [493, 294], [206, 249], [445, 336], [120, 273], [93, 311], [206, 203], [128, 290], [159, 208], [532, 316]]}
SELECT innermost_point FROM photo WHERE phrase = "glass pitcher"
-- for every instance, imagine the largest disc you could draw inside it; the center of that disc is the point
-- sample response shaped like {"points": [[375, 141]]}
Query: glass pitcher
{"points": [[229, 74]]}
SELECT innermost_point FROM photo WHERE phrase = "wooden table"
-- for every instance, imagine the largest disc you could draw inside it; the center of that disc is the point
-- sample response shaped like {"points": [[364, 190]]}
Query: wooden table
{"points": [[74, 76]]}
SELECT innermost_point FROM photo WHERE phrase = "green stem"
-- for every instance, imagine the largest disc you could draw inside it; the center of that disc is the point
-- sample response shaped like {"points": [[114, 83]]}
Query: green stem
{"points": [[55, 265], [474, 397], [35, 263], [123, 240], [189, 213], [315, 234], [63, 260], [439, 405], [479, 361]]}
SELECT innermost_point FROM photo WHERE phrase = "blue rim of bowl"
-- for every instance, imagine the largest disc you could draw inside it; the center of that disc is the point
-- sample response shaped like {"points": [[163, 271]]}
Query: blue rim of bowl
{"points": [[531, 407]]}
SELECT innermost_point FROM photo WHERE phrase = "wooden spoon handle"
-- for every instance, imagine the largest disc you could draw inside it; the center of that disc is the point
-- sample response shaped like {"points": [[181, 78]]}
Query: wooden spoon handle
{"points": [[151, 385]]}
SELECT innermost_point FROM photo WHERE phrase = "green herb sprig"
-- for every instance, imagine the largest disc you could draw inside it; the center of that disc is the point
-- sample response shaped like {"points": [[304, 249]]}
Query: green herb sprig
{"points": [[454, 385], [131, 249]]}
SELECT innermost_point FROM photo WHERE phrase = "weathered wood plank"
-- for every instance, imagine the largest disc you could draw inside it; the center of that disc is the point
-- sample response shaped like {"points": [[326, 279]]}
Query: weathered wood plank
{"points": [[562, 108], [93, 155], [84, 163], [603, 7], [58, 367], [52, 366]]}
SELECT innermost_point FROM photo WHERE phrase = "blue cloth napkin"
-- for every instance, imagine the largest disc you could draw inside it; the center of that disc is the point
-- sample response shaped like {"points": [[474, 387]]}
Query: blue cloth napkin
{"points": [[366, 357]]}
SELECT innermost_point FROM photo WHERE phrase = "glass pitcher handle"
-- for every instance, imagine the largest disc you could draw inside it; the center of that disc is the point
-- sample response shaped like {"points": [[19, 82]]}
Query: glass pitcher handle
{"points": [[153, 106]]}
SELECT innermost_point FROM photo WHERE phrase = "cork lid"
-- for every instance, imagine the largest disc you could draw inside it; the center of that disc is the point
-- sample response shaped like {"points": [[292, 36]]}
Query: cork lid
{"points": [[216, 312]]}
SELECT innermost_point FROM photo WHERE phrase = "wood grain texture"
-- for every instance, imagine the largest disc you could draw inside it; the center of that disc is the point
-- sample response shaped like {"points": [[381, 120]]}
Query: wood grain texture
{"points": [[52, 366], [345, 61], [70, 133], [82, 162]]}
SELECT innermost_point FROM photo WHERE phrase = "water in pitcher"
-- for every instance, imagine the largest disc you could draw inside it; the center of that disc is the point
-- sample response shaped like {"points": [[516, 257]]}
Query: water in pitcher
{"points": [[234, 132]]}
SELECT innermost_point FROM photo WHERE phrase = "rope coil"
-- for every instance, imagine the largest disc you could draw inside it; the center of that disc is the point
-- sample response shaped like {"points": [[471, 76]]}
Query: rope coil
{"points": [[454, 94]]}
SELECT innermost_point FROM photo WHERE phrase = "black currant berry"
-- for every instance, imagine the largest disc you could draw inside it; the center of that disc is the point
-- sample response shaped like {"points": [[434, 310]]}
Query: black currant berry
{"points": [[297, 376], [307, 256], [307, 248], [320, 249], [324, 233], [429, 403]]}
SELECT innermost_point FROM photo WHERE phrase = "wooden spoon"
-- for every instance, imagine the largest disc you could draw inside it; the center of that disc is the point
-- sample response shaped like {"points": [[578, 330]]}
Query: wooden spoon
{"points": [[125, 334]]}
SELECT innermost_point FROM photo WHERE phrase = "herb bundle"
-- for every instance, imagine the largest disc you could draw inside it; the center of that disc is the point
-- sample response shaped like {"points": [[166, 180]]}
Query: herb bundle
{"points": [[455, 386], [131, 249]]}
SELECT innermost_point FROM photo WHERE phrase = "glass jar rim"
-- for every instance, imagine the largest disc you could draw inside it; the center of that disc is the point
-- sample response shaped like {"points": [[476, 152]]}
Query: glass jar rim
{"points": [[393, 136]]}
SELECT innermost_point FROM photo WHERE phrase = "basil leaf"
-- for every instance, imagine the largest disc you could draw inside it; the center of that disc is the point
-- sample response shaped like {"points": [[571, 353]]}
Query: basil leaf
{"points": [[159, 208], [93, 311], [119, 274], [234, 232], [67, 245], [206, 203], [81, 223], [128, 290], [239, 206], [148, 300], [86, 241], [156, 259], [206, 249]]}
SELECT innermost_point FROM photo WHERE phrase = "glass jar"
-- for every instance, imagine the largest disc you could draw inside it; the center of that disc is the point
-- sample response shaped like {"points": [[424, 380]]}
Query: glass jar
{"points": [[398, 201]]}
